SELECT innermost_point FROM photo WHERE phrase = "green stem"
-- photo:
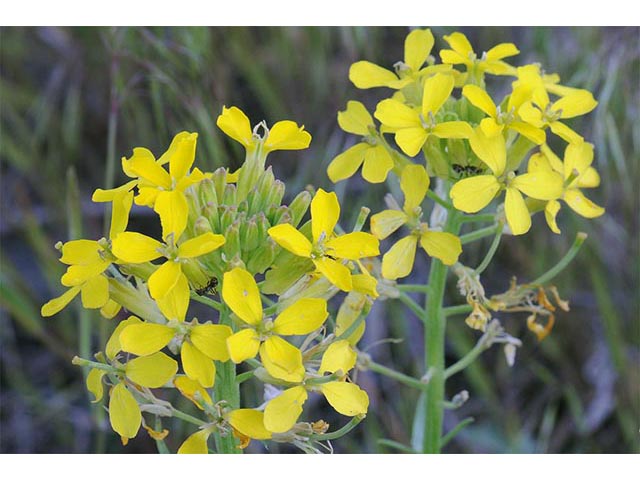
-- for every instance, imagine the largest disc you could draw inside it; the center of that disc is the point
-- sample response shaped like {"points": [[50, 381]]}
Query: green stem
{"points": [[338, 433], [400, 377], [396, 445], [467, 360], [187, 418], [207, 301], [478, 234], [455, 430], [160, 444], [411, 303], [413, 288], [492, 250], [434, 338], [479, 217], [434, 196], [562, 264], [456, 310], [227, 389]]}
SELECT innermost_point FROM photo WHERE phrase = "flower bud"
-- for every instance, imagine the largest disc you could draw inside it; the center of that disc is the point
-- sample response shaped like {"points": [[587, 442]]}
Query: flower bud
{"points": [[219, 178], [276, 193], [299, 207], [201, 226], [231, 248], [262, 257], [230, 194], [207, 192], [281, 215], [227, 216], [210, 212], [249, 235]]}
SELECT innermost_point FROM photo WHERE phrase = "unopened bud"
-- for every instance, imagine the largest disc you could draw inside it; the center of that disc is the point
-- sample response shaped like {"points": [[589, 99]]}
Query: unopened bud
{"points": [[262, 257], [229, 197], [281, 215], [219, 178], [249, 235], [299, 207], [207, 192], [210, 212], [201, 226], [231, 248], [227, 216]]}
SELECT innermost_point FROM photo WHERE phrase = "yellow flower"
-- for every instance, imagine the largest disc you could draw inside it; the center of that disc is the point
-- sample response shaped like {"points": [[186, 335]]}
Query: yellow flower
{"points": [[249, 423], [282, 412], [398, 261], [471, 195], [284, 135], [200, 345], [327, 248], [417, 47], [577, 172], [133, 247], [121, 199], [411, 127], [490, 62], [371, 153], [281, 359], [162, 190], [541, 113], [87, 261], [498, 120]]}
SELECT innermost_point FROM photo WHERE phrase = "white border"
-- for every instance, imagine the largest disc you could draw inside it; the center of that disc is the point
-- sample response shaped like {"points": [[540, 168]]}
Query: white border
{"points": [[325, 12]]}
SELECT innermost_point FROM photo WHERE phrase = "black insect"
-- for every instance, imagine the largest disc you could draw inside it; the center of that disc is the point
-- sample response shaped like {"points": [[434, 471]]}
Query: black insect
{"points": [[210, 288], [466, 170]]}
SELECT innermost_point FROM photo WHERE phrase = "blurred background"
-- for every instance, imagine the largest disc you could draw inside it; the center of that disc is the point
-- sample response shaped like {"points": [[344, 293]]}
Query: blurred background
{"points": [[74, 100]]}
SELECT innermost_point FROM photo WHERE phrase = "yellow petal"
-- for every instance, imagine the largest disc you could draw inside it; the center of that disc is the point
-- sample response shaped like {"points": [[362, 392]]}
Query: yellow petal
{"points": [[95, 292], [353, 246], [236, 125], [566, 133], [54, 305], [398, 261], [177, 140], [94, 383], [152, 371], [515, 208], [365, 74], [346, 398], [164, 279], [286, 135], [366, 284], [175, 303], [355, 119], [200, 245], [581, 204], [551, 210], [110, 309], [577, 158], [181, 159], [124, 412], [437, 90], [132, 247], [249, 422], [282, 360], [347, 163], [243, 345], [173, 210], [335, 272], [552, 158], [291, 239], [100, 195], [193, 391], [79, 274], [417, 47], [241, 294], [536, 135], [283, 412], [414, 183], [589, 178], [530, 114], [211, 340], [120, 213], [575, 104], [197, 366], [458, 41], [501, 51], [442, 245], [143, 164], [145, 338], [479, 98], [81, 252], [471, 195], [452, 57], [303, 317], [396, 114], [452, 130], [386, 222], [349, 312], [377, 164], [325, 211], [340, 356], [113, 344], [196, 444], [491, 128], [541, 185], [410, 140], [491, 150], [146, 196]]}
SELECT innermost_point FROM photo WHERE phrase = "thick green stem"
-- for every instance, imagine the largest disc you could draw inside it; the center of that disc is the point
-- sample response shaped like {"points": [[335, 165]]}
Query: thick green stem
{"points": [[434, 338], [227, 389]]}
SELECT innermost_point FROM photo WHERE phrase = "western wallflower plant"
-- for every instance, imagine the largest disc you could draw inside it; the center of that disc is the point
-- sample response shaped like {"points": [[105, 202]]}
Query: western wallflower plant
{"points": [[225, 243], [451, 132], [266, 273]]}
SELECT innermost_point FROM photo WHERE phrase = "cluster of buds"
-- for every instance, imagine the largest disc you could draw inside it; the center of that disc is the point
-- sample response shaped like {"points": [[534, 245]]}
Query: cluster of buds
{"points": [[225, 234]]}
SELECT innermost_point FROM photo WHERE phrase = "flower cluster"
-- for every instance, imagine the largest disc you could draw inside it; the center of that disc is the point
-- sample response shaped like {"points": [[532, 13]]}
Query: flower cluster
{"points": [[276, 274]]}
